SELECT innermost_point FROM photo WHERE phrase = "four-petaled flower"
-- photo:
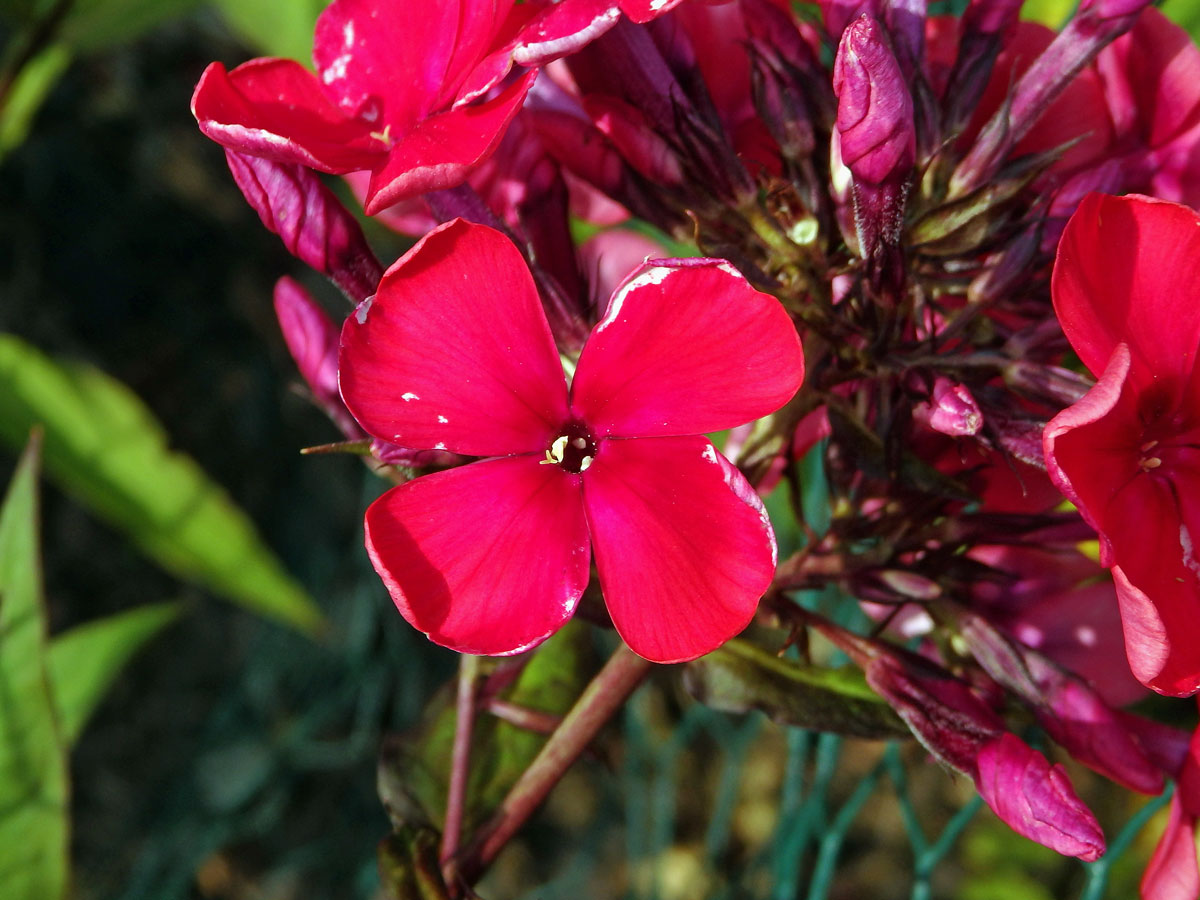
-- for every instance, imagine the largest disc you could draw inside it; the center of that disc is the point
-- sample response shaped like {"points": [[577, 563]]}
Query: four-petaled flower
{"points": [[1128, 453], [454, 353]]}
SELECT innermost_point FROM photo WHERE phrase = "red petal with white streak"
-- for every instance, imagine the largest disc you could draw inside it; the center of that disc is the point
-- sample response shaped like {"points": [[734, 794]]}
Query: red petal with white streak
{"points": [[453, 352], [274, 108], [686, 349], [440, 151]]}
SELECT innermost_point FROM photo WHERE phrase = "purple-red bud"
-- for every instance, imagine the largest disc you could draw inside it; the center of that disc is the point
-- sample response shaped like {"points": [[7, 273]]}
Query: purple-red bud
{"points": [[1072, 713], [875, 111], [1035, 799], [312, 339], [951, 409], [314, 225], [840, 13], [943, 712]]}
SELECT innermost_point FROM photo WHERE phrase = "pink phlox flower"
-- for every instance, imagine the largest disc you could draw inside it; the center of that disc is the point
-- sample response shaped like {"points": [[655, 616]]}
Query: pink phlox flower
{"points": [[454, 352], [396, 92], [1173, 873], [1128, 453]]}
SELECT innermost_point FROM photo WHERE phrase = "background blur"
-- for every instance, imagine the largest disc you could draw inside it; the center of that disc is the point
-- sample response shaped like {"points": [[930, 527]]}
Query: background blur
{"points": [[234, 756]]}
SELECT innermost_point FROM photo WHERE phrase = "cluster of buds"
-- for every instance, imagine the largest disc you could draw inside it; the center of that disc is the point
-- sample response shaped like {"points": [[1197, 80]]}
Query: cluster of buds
{"points": [[904, 207]]}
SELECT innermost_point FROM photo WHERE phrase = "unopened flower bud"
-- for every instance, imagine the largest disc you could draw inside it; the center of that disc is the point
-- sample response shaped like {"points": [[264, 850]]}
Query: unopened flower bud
{"points": [[875, 114], [312, 339], [632, 135], [840, 13], [1093, 28], [1035, 799], [877, 140], [314, 225], [951, 409], [1070, 711]]}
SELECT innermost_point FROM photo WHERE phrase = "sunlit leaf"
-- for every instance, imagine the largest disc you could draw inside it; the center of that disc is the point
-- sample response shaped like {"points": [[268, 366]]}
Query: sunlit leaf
{"points": [[1185, 13], [274, 28], [33, 770], [105, 448], [29, 89], [1049, 12], [84, 661]]}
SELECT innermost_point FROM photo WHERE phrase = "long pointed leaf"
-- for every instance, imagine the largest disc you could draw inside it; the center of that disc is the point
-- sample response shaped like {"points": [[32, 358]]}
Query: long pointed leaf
{"points": [[33, 766], [105, 448], [84, 662]]}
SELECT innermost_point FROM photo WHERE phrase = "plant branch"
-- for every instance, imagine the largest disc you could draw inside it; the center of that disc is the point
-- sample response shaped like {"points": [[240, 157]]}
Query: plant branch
{"points": [[460, 759], [606, 693]]}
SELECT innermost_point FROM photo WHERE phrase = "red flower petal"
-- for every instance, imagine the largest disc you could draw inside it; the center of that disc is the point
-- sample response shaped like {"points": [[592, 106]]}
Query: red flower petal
{"points": [[686, 349], [563, 28], [1092, 452], [402, 61], [1146, 525], [274, 108], [453, 352], [683, 545], [489, 558], [642, 11], [1172, 873], [440, 150], [1126, 273]]}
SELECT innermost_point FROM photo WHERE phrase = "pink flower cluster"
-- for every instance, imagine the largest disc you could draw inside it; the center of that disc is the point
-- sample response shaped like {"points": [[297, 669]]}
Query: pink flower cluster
{"points": [[932, 213]]}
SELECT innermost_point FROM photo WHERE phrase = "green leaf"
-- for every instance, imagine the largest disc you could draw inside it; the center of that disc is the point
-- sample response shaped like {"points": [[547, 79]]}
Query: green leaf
{"points": [[1185, 13], [274, 28], [33, 762], [29, 89], [415, 772], [1049, 12], [104, 448], [84, 662], [738, 677], [408, 865]]}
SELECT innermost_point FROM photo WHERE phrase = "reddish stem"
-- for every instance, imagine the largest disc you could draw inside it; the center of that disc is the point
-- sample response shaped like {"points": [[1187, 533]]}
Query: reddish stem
{"points": [[460, 759], [606, 693]]}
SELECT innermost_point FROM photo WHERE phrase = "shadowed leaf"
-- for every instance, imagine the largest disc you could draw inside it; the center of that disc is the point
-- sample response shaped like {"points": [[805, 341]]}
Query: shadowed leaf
{"points": [[104, 448], [33, 765]]}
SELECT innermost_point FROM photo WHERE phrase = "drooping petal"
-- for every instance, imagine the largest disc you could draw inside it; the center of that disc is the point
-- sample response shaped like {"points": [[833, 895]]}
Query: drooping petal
{"points": [[1091, 447], [274, 108], [453, 352], [685, 349], [683, 546], [441, 150], [1126, 272], [489, 558], [1172, 873]]}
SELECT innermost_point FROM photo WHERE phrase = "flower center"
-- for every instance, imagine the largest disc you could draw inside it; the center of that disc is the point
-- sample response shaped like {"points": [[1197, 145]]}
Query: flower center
{"points": [[574, 449]]}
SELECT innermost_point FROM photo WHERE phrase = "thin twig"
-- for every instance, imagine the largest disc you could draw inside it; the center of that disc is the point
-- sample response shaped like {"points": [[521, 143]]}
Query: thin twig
{"points": [[460, 758], [623, 672]]}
